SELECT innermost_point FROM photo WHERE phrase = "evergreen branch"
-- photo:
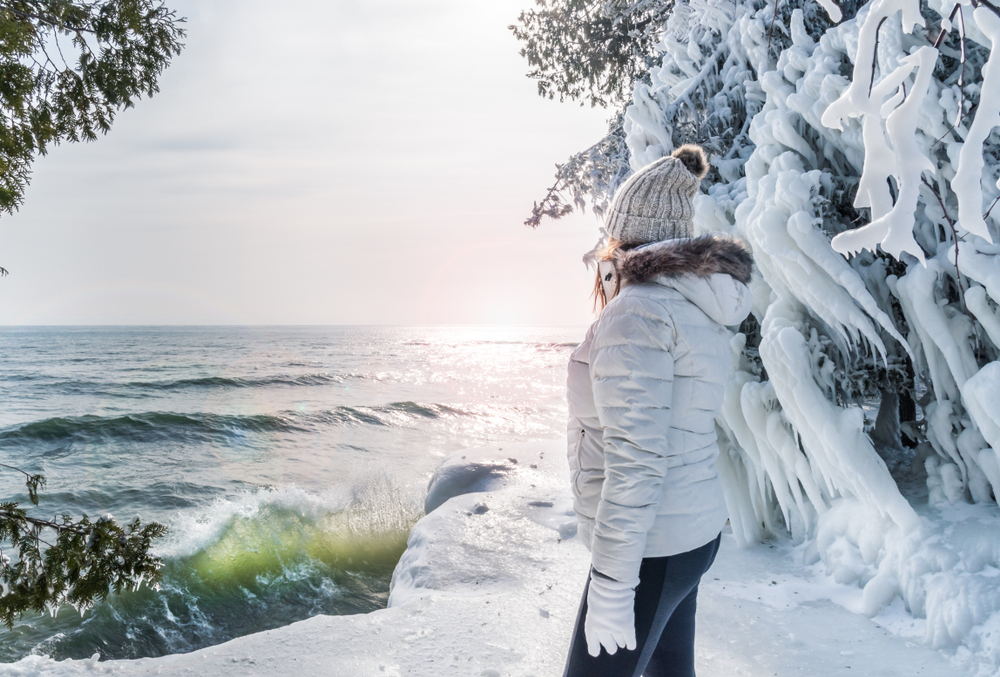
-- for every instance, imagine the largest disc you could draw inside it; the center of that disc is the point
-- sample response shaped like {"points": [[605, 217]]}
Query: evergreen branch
{"points": [[122, 47], [44, 19], [86, 563], [696, 81], [33, 482], [4, 514]]}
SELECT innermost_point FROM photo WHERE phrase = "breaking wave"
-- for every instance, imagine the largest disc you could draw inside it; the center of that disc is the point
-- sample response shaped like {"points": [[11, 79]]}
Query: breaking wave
{"points": [[186, 425], [249, 563]]}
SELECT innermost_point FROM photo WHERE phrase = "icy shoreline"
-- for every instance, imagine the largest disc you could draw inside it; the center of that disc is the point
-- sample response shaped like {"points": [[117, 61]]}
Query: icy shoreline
{"points": [[490, 583], [487, 586]]}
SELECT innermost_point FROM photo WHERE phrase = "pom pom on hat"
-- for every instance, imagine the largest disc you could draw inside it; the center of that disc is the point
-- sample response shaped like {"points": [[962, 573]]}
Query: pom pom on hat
{"points": [[693, 158]]}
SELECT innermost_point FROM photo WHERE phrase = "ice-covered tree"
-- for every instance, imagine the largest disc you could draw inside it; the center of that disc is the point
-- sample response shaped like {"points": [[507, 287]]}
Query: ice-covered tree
{"points": [[855, 147]]}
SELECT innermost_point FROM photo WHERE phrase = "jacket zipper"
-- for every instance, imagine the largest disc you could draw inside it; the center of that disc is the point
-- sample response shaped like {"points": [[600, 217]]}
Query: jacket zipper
{"points": [[579, 466]]}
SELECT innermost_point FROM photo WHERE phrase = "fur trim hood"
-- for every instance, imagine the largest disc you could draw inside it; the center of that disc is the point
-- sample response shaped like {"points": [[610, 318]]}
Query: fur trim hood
{"points": [[700, 256]]}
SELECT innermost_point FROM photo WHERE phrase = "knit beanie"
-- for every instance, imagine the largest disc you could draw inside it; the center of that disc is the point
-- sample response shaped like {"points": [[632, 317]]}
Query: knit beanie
{"points": [[656, 202]]}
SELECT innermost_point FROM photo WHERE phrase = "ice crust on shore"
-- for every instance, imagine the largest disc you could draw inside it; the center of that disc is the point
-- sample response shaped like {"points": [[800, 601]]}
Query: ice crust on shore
{"points": [[494, 593]]}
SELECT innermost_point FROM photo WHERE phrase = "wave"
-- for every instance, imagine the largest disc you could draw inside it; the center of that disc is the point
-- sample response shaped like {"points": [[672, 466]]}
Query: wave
{"points": [[539, 346], [316, 379], [245, 563], [262, 532], [551, 345], [169, 426], [556, 346], [148, 426], [23, 377], [130, 388]]}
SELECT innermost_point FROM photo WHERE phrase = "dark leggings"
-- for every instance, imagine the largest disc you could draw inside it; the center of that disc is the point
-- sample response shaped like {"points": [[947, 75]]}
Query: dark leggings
{"points": [[665, 604]]}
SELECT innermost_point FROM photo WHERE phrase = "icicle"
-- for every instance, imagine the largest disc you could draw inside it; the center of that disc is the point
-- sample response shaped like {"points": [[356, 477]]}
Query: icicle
{"points": [[832, 437], [916, 295], [919, 283], [981, 262]]}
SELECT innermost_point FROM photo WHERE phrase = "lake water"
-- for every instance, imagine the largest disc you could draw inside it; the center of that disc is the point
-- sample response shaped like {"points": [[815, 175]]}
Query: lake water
{"points": [[288, 462]]}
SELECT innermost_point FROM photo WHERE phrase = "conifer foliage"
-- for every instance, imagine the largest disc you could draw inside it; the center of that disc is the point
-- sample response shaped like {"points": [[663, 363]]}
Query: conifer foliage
{"points": [[69, 561], [590, 51], [67, 67]]}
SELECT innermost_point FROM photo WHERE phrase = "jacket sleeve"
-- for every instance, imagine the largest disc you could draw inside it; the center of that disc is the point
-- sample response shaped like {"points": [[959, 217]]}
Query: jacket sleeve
{"points": [[632, 372]]}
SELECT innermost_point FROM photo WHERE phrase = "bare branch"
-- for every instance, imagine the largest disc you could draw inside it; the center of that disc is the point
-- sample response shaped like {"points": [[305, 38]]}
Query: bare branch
{"points": [[954, 232], [961, 78], [991, 207], [951, 17], [875, 55], [971, 111], [988, 5]]}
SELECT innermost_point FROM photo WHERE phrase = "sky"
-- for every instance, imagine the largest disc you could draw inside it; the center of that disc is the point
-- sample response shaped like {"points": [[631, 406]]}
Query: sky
{"points": [[337, 162]]}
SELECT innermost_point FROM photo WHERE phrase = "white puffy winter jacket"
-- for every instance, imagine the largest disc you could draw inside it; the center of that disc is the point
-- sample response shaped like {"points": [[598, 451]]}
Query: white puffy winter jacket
{"points": [[644, 389]]}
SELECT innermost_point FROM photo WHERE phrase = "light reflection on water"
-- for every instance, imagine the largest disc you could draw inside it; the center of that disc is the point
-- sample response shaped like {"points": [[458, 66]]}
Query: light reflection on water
{"points": [[260, 447]]}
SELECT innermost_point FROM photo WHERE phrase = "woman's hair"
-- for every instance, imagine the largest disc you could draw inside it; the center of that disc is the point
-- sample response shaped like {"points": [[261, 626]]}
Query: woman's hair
{"points": [[607, 253]]}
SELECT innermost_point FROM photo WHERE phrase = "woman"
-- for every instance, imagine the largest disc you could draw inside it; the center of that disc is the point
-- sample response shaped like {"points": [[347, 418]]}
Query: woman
{"points": [[644, 389]]}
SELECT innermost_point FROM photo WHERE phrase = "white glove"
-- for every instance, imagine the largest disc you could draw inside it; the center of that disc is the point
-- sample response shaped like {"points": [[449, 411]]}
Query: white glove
{"points": [[610, 618]]}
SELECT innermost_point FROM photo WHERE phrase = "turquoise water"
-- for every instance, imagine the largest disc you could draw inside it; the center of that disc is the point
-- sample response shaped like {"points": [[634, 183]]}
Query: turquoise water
{"points": [[288, 463]]}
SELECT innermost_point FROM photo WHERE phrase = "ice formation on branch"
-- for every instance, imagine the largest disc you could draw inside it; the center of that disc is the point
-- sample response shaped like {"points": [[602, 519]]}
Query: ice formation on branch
{"points": [[966, 184]]}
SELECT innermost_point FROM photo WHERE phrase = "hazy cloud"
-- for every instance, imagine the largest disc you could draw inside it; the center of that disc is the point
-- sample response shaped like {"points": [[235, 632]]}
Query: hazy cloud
{"points": [[325, 162]]}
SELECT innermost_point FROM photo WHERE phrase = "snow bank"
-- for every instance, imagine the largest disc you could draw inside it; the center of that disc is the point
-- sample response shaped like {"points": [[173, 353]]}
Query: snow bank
{"points": [[467, 473]]}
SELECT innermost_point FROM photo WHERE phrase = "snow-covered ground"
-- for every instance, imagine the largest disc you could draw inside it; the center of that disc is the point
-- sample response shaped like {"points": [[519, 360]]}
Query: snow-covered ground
{"points": [[490, 584]]}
